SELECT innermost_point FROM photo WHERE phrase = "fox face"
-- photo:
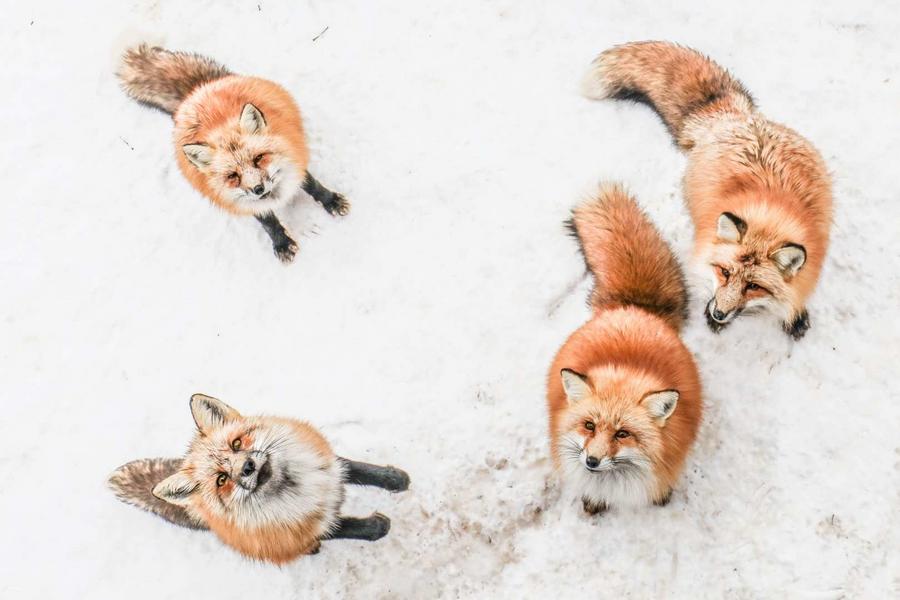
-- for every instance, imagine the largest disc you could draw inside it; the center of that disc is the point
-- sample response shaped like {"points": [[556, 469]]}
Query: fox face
{"points": [[611, 434], [750, 271], [252, 472], [245, 165]]}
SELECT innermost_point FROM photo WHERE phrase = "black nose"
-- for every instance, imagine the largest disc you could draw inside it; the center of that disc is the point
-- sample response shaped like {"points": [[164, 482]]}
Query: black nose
{"points": [[718, 315], [248, 468], [592, 462], [259, 189]]}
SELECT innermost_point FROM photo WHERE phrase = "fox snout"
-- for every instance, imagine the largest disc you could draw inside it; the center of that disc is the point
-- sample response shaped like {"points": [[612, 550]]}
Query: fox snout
{"points": [[255, 471]]}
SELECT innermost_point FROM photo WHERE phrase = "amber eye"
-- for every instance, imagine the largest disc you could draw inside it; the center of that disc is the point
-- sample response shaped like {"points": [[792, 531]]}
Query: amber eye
{"points": [[622, 434], [236, 444], [233, 177], [221, 479], [725, 272], [752, 286], [258, 159], [589, 425]]}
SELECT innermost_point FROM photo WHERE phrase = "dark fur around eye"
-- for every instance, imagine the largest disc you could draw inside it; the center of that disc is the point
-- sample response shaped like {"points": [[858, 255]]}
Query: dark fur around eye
{"points": [[221, 479], [236, 444], [233, 176], [589, 425], [622, 434], [725, 272], [258, 159]]}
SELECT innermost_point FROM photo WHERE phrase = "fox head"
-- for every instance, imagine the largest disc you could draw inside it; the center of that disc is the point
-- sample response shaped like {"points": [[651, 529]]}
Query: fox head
{"points": [[246, 165], [252, 472], [612, 430], [752, 269]]}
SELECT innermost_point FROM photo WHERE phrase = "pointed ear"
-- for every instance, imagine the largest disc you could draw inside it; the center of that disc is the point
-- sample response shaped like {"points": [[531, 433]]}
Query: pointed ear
{"points": [[252, 120], [789, 259], [210, 413], [575, 385], [199, 154], [176, 489], [730, 227], [661, 405]]}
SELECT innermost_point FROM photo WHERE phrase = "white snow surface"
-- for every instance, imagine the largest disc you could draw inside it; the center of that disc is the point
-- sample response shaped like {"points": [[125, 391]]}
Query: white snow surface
{"points": [[418, 330]]}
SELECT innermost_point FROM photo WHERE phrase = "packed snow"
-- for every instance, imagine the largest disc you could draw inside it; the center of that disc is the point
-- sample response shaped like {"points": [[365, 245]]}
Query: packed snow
{"points": [[418, 330]]}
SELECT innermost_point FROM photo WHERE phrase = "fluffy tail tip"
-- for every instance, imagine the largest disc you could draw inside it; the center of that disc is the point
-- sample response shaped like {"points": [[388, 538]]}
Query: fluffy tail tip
{"points": [[594, 84]]}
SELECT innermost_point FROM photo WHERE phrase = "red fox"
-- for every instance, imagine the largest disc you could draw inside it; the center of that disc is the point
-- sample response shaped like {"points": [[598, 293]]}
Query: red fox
{"points": [[238, 140], [623, 393], [759, 193], [270, 487]]}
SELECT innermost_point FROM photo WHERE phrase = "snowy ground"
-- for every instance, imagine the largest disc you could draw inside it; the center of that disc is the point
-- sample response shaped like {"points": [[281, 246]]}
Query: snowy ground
{"points": [[418, 330]]}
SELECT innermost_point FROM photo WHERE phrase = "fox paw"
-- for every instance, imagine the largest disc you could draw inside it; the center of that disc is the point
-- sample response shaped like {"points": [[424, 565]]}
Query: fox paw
{"points": [[339, 206], [396, 480], [286, 250], [381, 524], [798, 328], [593, 508]]}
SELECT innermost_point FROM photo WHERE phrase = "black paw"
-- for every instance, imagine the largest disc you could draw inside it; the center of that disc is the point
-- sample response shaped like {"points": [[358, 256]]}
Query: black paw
{"points": [[664, 500], [593, 508], [286, 250], [798, 328], [395, 480], [337, 206], [380, 525]]}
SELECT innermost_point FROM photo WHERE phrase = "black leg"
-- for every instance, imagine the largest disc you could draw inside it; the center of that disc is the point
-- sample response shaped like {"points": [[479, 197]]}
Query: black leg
{"points": [[798, 328], [389, 478], [285, 248], [370, 529], [333, 202], [593, 508]]}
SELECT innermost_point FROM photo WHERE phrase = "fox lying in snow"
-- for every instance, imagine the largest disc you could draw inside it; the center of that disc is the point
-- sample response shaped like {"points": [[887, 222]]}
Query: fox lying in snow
{"points": [[269, 487], [623, 393], [238, 140], [759, 193]]}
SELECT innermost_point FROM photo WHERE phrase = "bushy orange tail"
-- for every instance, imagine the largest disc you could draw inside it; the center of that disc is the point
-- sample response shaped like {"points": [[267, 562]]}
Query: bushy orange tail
{"points": [[631, 263], [680, 84], [163, 79]]}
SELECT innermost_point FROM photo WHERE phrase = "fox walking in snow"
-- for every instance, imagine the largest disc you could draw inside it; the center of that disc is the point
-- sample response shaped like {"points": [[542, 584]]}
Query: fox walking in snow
{"points": [[270, 487], [759, 193], [623, 393], [238, 140]]}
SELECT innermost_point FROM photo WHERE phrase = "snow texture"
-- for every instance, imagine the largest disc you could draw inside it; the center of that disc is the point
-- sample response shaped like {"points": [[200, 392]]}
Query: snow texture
{"points": [[418, 330]]}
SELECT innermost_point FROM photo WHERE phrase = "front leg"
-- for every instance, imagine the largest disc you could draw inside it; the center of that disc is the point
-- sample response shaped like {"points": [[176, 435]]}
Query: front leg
{"points": [[285, 247], [388, 478], [333, 202], [798, 327], [369, 529], [593, 508]]}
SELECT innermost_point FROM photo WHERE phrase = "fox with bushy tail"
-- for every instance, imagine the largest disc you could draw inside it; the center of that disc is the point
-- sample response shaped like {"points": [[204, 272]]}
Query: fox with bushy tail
{"points": [[758, 192], [238, 140], [623, 392]]}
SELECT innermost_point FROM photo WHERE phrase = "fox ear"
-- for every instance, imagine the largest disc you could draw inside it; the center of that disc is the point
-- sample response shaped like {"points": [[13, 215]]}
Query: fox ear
{"points": [[252, 120], [730, 227], [575, 385], [210, 413], [789, 259], [661, 405], [176, 489], [199, 154]]}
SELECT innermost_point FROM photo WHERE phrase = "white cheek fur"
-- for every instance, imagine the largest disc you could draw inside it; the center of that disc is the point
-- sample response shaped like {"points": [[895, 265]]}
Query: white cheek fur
{"points": [[614, 487]]}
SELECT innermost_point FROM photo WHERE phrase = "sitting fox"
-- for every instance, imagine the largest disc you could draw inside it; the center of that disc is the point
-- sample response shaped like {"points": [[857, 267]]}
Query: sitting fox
{"points": [[238, 140], [270, 487]]}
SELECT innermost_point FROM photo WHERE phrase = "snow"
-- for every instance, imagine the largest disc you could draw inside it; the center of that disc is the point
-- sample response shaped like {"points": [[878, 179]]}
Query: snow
{"points": [[418, 330]]}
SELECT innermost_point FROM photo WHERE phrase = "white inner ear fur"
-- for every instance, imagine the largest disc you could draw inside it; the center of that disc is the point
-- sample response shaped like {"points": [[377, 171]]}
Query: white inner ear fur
{"points": [[198, 154], [575, 386], [210, 414], [789, 259], [661, 405], [252, 120], [175, 489], [727, 230]]}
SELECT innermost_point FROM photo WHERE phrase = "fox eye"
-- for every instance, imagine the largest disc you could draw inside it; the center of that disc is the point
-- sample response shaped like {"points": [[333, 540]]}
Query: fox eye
{"points": [[221, 479], [589, 425], [752, 286], [236, 444], [622, 434], [725, 272], [258, 159]]}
